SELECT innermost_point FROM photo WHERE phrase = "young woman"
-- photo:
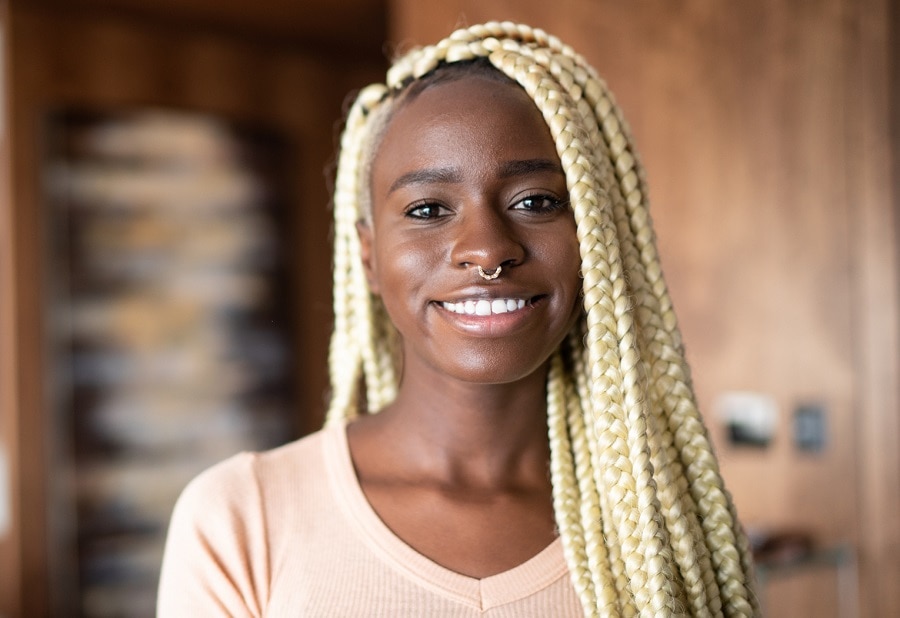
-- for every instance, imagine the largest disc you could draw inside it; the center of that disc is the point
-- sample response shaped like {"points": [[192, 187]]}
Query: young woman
{"points": [[512, 430]]}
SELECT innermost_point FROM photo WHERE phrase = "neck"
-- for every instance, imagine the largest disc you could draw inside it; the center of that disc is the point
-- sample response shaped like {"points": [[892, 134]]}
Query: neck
{"points": [[460, 433]]}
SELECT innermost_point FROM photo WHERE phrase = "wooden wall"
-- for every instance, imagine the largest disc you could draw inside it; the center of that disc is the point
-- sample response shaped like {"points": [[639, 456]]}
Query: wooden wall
{"points": [[764, 130], [9, 554], [93, 57]]}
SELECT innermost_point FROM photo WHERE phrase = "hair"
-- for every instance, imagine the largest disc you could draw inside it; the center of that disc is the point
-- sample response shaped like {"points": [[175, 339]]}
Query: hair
{"points": [[646, 523]]}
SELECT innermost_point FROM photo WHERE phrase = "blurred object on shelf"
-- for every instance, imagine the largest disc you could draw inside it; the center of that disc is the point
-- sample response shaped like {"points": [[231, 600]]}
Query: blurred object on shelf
{"points": [[169, 330]]}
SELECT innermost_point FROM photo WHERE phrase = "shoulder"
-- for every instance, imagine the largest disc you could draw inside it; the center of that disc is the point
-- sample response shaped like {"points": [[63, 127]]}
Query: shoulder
{"points": [[303, 457], [220, 538], [239, 482]]}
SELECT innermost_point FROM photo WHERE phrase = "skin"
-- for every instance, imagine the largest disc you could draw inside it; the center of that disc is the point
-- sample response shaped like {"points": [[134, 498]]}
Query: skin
{"points": [[457, 466]]}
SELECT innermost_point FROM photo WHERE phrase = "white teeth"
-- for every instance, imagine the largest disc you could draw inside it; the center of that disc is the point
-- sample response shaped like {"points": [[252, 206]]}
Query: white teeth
{"points": [[486, 307]]}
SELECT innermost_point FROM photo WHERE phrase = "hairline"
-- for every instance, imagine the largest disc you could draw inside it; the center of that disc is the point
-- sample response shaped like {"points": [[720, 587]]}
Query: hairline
{"points": [[381, 117]]}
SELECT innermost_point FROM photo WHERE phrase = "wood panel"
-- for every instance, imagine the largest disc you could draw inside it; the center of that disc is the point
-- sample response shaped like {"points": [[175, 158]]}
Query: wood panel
{"points": [[62, 57], [9, 547], [876, 289], [763, 130], [346, 29]]}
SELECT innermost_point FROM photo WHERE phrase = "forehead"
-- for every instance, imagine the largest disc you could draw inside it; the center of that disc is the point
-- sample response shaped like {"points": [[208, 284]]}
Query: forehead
{"points": [[465, 122]]}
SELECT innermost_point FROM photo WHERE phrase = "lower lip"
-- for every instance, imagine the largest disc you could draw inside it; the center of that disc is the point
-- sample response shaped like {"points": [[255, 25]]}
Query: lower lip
{"points": [[493, 325]]}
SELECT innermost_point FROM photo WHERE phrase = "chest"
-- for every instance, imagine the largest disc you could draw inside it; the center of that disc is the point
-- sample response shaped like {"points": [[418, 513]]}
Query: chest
{"points": [[475, 533], [345, 565]]}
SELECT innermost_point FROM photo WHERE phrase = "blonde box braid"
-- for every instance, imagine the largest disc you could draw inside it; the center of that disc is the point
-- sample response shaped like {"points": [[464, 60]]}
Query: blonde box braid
{"points": [[647, 526]]}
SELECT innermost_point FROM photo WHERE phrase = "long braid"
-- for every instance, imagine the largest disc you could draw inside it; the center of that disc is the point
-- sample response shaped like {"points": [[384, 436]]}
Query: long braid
{"points": [[612, 337], [691, 557], [673, 396], [361, 343], [630, 177], [567, 497], [645, 521], [344, 358], [604, 557]]}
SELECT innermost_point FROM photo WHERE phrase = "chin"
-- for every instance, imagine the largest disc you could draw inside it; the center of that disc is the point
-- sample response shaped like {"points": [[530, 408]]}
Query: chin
{"points": [[490, 372]]}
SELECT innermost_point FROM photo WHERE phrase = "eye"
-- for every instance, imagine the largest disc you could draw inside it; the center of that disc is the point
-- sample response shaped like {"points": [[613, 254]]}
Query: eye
{"points": [[426, 210], [540, 204]]}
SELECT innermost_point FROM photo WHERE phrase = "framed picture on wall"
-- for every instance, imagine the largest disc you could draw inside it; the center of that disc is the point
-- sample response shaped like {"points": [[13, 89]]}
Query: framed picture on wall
{"points": [[168, 331]]}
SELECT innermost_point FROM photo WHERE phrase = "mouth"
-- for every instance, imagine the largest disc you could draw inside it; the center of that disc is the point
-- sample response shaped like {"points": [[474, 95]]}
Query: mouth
{"points": [[486, 307]]}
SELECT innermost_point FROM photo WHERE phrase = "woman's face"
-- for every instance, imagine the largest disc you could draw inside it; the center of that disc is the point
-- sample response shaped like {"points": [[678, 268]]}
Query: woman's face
{"points": [[467, 175]]}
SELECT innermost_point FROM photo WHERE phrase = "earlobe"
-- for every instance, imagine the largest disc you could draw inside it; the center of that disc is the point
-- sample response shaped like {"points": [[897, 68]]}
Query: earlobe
{"points": [[364, 231]]}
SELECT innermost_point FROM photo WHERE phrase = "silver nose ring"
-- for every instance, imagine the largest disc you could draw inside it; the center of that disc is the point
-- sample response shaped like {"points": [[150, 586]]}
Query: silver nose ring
{"points": [[487, 276]]}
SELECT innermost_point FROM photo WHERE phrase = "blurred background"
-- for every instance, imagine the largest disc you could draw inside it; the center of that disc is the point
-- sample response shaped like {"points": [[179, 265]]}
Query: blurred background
{"points": [[165, 283]]}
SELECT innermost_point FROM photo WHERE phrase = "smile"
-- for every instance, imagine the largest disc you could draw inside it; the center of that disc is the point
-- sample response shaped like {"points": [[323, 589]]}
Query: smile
{"points": [[486, 307]]}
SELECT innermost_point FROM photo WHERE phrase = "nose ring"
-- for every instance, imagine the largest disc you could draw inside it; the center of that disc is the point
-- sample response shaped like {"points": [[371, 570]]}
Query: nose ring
{"points": [[487, 276]]}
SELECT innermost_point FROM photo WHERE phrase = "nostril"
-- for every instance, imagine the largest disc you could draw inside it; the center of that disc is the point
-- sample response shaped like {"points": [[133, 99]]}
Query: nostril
{"points": [[484, 239]]}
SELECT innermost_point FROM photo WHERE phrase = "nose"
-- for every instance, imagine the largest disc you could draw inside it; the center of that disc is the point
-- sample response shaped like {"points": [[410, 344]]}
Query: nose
{"points": [[484, 237]]}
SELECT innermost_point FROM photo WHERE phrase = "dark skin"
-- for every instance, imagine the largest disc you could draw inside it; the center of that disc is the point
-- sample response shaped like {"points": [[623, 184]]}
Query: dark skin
{"points": [[457, 466]]}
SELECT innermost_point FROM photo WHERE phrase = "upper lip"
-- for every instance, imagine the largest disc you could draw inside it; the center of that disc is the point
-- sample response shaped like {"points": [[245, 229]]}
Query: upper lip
{"points": [[488, 292]]}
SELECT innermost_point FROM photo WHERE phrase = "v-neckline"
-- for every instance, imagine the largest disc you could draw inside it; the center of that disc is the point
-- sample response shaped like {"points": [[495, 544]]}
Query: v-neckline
{"points": [[521, 581]]}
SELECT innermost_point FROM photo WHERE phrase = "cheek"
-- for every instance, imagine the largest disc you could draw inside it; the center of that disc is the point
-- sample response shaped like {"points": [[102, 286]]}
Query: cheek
{"points": [[561, 252], [564, 254], [403, 270], [404, 262]]}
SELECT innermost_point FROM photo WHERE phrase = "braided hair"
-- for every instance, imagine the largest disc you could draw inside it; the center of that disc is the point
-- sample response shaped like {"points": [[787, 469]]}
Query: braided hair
{"points": [[647, 525]]}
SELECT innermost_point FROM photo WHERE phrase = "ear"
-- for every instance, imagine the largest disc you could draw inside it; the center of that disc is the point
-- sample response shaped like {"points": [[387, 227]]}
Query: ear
{"points": [[364, 231]]}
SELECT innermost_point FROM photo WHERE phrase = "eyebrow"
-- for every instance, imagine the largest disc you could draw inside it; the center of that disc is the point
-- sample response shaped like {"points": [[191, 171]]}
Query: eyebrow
{"points": [[445, 175], [449, 175], [529, 166]]}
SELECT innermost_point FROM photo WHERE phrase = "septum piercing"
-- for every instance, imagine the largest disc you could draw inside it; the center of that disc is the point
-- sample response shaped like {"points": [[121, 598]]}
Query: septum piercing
{"points": [[487, 276]]}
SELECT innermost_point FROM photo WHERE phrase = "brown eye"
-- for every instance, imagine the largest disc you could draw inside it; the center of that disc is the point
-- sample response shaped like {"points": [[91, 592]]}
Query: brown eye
{"points": [[540, 204], [426, 210]]}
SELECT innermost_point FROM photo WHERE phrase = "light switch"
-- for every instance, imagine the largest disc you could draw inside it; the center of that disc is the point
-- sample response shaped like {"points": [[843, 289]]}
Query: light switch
{"points": [[809, 427]]}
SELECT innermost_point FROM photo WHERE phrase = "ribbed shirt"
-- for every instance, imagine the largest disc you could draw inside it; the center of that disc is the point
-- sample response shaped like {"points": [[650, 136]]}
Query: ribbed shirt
{"points": [[289, 532]]}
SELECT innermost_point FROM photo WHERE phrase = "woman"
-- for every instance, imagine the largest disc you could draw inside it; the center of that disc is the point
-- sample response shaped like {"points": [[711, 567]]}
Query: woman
{"points": [[495, 276]]}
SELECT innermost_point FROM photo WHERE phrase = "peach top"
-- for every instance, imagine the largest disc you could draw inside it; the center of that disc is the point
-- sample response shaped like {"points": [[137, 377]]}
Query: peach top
{"points": [[289, 532]]}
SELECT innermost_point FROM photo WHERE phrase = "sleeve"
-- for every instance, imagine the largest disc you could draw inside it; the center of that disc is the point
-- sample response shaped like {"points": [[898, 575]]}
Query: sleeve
{"points": [[216, 554]]}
